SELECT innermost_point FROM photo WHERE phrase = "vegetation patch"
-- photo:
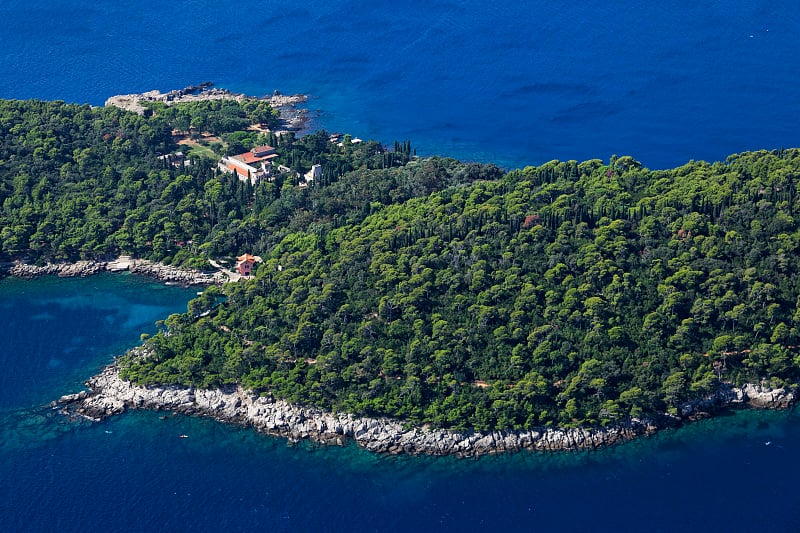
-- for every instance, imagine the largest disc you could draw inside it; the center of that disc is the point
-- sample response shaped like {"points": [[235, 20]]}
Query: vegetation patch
{"points": [[429, 290]]}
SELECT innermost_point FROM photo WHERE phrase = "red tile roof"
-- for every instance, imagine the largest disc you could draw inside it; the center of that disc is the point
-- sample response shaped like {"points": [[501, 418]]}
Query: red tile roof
{"points": [[249, 158], [248, 258], [263, 150], [239, 171]]}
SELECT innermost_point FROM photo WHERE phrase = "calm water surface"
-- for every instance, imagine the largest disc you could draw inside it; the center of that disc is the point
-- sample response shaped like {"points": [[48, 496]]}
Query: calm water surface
{"points": [[134, 472], [512, 82]]}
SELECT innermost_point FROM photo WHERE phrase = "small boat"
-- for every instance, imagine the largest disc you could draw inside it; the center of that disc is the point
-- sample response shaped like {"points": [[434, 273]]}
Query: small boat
{"points": [[184, 436]]}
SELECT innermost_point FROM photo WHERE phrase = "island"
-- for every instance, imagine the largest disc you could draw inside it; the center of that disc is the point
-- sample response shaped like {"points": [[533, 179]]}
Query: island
{"points": [[412, 304]]}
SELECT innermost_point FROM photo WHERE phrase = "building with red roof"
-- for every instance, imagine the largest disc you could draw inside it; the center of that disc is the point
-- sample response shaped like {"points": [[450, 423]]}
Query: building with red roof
{"points": [[250, 166], [245, 263]]}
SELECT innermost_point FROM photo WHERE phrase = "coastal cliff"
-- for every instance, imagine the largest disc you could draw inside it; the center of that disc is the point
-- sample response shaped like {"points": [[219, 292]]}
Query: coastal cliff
{"points": [[109, 395]]}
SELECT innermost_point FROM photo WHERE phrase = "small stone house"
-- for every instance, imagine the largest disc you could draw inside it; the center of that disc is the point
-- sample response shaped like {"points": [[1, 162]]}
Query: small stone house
{"points": [[245, 263]]}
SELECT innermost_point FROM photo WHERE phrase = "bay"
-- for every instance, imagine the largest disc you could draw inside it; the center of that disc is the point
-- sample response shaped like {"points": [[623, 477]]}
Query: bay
{"points": [[55, 330]]}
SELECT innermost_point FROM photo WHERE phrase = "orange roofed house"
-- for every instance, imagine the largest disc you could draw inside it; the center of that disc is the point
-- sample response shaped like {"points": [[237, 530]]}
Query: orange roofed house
{"points": [[252, 165], [244, 264]]}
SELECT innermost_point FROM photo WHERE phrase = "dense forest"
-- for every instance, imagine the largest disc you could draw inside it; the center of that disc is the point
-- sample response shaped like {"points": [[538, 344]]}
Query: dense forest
{"points": [[428, 289], [78, 182], [567, 293], [215, 116]]}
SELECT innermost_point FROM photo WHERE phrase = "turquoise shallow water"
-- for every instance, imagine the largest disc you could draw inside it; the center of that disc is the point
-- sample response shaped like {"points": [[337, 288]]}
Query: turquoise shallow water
{"points": [[56, 329], [134, 472]]}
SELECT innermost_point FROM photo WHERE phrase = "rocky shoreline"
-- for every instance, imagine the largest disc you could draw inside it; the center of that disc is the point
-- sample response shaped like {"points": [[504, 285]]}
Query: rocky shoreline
{"points": [[142, 267], [109, 395], [292, 117]]}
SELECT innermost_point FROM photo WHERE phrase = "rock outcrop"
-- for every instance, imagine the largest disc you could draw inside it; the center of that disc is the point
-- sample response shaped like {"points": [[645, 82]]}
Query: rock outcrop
{"points": [[292, 117], [175, 275], [766, 398], [64, 270], [141, 267], [725, 396], [756, 396], [109, 395]]}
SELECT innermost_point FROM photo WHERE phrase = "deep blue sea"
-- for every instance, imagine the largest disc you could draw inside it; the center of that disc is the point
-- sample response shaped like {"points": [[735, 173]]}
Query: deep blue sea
{"points": [[512, 82]]}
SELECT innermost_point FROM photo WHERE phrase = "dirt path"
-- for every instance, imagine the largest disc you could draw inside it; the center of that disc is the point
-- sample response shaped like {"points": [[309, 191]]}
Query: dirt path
{"points": [[232, 276]]}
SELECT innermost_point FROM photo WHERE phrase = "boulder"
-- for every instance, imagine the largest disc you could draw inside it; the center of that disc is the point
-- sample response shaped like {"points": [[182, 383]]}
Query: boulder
{"points": [[767, 398]]}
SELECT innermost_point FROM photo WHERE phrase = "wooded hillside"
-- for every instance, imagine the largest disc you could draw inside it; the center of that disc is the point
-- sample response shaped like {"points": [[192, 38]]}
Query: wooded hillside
{"points": [[427, 289], [567, 293]]}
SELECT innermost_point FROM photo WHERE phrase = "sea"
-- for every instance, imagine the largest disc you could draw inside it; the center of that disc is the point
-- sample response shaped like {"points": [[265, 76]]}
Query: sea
{"points": [[511, 82], [515, 83]]}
